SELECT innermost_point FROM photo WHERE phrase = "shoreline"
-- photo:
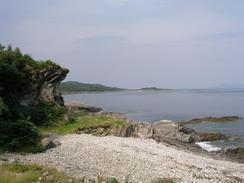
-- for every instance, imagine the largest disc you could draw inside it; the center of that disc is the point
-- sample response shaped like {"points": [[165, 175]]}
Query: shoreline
{"points": [[134, 160], [136, 154]]}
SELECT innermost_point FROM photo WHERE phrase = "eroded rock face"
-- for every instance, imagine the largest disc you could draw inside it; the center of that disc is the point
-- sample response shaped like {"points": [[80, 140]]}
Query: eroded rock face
{"points": [[167, 130], [45, 86]]}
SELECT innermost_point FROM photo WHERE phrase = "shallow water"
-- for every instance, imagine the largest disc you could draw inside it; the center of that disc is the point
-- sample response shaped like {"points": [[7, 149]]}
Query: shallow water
{"points": [[175, 105]]}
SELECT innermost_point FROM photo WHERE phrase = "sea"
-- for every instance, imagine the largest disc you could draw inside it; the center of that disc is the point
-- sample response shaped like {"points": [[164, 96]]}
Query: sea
{"points": [[176, 105]]}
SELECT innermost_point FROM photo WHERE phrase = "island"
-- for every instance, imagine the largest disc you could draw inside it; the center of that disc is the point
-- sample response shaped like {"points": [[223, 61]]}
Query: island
{"points": [[77, 87]]}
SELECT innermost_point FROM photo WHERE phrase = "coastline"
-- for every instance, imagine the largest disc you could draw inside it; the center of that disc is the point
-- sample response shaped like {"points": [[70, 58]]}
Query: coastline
{"points": [[134, 154], [133, 160]]}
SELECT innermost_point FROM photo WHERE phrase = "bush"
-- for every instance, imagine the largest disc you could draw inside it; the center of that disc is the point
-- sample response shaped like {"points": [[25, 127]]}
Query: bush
{"points": [[46, 113], [17, 74], [19, 136]]}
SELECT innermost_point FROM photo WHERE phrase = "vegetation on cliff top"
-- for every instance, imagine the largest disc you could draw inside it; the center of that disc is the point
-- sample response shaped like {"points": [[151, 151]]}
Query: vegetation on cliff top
{"points": [[17, 122], [76, 87]]}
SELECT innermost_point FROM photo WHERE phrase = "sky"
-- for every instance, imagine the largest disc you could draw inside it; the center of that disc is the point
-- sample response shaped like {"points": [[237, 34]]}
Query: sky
{"points": [[132, 43]]}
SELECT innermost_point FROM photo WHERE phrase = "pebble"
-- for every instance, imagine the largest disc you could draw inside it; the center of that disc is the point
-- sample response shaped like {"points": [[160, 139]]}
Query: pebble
{"points": [[132, 159]]}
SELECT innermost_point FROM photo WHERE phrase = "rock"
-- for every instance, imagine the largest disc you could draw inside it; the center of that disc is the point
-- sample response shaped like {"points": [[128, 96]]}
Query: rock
{"points": [[90, 180], [161, 180], [70, 180], [211, 136], [45, 86], [49, 178], [236, 151], [79, 107], [45, 174], [139, 130], [49, 143], [168, 130]]}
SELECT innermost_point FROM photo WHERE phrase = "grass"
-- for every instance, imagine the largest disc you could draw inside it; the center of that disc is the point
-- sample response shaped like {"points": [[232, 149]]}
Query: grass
{"points": [[163, 180], [20, 173], [83, 122]]}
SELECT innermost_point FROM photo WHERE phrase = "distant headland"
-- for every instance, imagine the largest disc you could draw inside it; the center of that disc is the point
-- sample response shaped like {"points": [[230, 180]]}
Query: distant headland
{"points": [[78, 87]]}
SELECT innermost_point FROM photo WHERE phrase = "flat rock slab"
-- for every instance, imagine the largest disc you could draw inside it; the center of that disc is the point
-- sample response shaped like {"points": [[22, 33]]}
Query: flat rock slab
{"points": [[133, 159]]}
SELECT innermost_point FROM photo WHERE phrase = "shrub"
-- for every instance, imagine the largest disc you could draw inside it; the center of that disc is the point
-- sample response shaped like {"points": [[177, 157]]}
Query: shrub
{"points": [[46, 113], [19, 136]]}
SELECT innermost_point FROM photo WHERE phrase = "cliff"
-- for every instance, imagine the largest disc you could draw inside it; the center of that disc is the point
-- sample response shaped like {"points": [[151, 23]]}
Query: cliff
{"points": [[45, 85], [26, 82]]}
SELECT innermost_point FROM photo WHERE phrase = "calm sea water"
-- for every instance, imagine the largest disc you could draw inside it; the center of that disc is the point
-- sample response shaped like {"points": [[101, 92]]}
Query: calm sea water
{"points": [[175, 105]]}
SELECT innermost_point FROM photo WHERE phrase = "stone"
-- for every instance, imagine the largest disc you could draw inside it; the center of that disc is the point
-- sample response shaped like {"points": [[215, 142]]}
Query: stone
{"points": [[45, 174], [236, 151], [168, 130], [45, 86], [49, 143], [49, 178], [80, 107], [70, 180]]}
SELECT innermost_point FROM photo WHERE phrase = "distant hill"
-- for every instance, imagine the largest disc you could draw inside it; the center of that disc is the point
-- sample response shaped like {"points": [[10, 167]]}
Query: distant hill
{"points": [[76, 87]]}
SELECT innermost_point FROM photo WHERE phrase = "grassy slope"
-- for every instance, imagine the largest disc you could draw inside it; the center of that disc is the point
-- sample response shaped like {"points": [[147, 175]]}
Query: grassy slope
{"points": [[83, 122], [19, 173], [74, 87]]}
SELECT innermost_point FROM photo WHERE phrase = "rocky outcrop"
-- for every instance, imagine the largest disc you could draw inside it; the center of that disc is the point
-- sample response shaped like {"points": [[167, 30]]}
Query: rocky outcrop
{"points": [[234, 151], [167, 130], [80, 107], [212, 136], [45, 86], [212, 120], [163, 131], [49, 141]]}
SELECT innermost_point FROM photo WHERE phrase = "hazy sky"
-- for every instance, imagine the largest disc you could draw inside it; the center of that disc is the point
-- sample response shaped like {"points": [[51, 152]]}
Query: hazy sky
{"points": [[132, 43]]}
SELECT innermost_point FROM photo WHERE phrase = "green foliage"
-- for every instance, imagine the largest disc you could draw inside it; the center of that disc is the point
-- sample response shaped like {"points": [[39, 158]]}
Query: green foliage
{"points": [[113, 180], [19, 136], [74, 87], [3, 107], [17, 71], [17, 74], [46, 113], [20, 173]]}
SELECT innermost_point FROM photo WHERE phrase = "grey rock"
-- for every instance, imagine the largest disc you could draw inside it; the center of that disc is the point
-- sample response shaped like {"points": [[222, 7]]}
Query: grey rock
{"points": [[49, 178], [45, 86], [49, 143], [168, 130], [45, 174], [80, 107]]}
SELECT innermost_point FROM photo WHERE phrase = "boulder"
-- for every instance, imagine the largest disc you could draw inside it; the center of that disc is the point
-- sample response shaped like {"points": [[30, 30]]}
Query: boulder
{"points": [[45, 86], [48, 143], [236, 151], [80, 107], [211, 136], [165, 130]]}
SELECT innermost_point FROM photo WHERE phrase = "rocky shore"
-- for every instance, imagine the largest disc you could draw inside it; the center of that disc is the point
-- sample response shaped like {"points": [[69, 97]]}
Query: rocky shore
{"points": [[133, 160], [150, 151]]}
